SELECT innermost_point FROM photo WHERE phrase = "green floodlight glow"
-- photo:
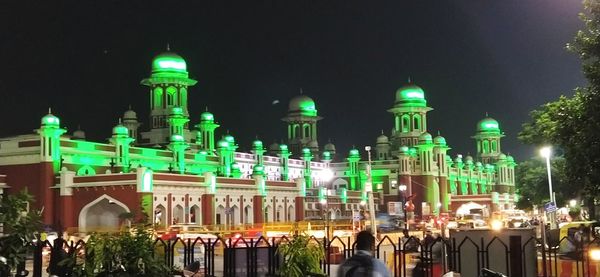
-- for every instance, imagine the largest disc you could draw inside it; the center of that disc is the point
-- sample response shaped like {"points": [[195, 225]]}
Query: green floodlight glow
{"points": [[354, 153], [283, 148], [411, 95], [171, 64], [489, 125], [50, 119], [257, 144], [147, 181], [223, 144], [177, 138], [120, 130], [230, 139]]}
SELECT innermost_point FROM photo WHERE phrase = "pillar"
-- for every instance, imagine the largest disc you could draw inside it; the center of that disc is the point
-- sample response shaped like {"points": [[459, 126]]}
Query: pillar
{"points": [[208, 209]]}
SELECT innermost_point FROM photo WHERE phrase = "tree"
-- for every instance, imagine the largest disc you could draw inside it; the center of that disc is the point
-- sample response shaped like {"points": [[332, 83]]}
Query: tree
{"points": [[532, 183], [21, 226], [301, 257], [572, 124]]}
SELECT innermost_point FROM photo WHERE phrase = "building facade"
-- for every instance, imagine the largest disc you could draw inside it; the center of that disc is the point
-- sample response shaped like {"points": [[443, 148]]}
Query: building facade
{"points": [[179, 172]]}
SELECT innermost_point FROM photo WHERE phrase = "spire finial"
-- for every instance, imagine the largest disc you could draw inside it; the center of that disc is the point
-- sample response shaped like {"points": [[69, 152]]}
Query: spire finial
{"points": [[301, 91], [79, 127], [409, 81], [486, 114], [168, 47], [120, 121], [206, 108], [382, 131], [49, 110], [438, 132]]}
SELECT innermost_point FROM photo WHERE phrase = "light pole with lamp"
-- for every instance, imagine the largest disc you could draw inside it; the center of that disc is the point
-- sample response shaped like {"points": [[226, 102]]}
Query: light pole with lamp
{"points": [[326, 176], [403, 188], [546, 152], [370, 196]]}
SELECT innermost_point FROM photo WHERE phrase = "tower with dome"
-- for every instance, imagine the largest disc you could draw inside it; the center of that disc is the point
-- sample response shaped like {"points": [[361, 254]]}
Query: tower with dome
{"points": [[172, 164]]}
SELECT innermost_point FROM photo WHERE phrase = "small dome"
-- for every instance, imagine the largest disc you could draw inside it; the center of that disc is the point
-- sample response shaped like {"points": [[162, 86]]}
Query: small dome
{"points": [[478, 164], [274, 146], [313, 144], [326, 156], [329, 147], [177, 138], [411, 95], [120, 130], [458, 159], [79, 134], [303, 104], [229, 138], [488, 125], [207, 116], [223, 143], [501, 157], [354, 153], [130, 115], [50, 120], [176, 111], [169, 62], [510, 158], [258, 169], [306, 151], [469, 159], [439, 140], [382, 139], [283, 147], [257, 144], [404, 150], [425, 138]]}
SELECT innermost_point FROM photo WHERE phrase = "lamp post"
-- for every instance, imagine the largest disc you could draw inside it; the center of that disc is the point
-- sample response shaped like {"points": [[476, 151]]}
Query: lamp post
{"points": [[546, 152], [402, 188], [326, 176], [370, 196]]}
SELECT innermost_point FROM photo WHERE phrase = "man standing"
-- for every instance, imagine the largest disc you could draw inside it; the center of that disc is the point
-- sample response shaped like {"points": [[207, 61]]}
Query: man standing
{"points": [[363, 263]]}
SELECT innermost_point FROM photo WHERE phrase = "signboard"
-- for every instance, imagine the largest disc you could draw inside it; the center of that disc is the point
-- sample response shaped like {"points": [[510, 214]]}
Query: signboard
{"points": [[245, 266], [395, 208], [355, 216], [550, 207]]}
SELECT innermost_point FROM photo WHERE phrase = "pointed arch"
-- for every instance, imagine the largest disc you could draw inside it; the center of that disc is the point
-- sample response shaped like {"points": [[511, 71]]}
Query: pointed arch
{"points": [[279, 216], [268, 213], [220, 215], [195, 214], [417, 122], [248, 214], [103, 211], [178, 215], [291, 214], [86, 170], [405, 123], [160, 216], [234, 215]]}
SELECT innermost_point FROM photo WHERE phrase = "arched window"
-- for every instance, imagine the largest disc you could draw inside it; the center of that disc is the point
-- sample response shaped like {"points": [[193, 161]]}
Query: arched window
{"points": [[171, 91], [494, 146], [405, 123], [183, 97], [158, 97], [486, 146], [306, 128], [417, 122], [86, 170]]}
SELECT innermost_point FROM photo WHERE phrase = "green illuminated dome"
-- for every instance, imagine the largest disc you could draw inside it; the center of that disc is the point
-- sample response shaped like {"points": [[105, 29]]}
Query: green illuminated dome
{"points": [[469, 159], [510, 158], [425, 138], [439, 140], [354, 153], [488, 125], [50, 120], [223, 143], [176, 111], [207, 116], [404, 150], [130, 115], [120, 130], [229, 138], [177, 138], [458, 159], [306, 151], [257, 144], [502, 157], [169, 62], [283, 147], [258, 169], [303, 104], [411, 95]]}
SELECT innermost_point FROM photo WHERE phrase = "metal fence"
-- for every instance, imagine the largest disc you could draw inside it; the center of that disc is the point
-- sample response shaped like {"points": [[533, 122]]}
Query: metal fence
{"points": [[522, 256]]}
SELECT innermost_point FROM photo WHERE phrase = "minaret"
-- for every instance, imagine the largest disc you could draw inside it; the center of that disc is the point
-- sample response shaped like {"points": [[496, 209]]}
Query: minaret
{"points": [[410, 115], [177, 121], [50, 133], [224, 158], [131, 123], [353, 173], [258, 150], [302, 125], [439, 150], [284, 155], [487, 139], [382, 147], [168, 84], [206, 132], [307, 157], [428, 171], [178, 145], [121, 140]]}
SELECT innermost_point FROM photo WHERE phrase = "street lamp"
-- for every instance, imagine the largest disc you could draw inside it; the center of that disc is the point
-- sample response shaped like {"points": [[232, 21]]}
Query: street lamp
{"points": [[546, 152], [403, 188], [370, 196]]}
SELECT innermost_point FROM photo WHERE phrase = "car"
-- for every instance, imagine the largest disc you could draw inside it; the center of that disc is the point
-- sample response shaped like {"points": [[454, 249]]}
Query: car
{"points": [[471, 221], [187, 231]]}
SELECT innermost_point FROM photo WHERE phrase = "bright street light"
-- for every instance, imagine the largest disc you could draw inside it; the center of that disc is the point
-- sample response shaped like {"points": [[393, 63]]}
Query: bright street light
{"points": [[326, 175], [323, 201], [573, 203], [402, 187], [546, 152]]}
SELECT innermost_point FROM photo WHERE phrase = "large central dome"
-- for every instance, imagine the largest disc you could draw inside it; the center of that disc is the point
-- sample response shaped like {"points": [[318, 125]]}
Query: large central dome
{"points": [[169, 62], [303, 104], [411, 95]]}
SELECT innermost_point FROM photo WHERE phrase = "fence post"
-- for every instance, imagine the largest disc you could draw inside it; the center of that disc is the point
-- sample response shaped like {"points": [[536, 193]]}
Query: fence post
{"points": [[37, 258], [516, 257]]}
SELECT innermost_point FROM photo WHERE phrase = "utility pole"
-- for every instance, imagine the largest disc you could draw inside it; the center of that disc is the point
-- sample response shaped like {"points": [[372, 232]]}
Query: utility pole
{"points": [[370, 196]]}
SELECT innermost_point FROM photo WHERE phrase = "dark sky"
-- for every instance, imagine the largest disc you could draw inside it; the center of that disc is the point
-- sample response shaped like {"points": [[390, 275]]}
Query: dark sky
{"points": [[85, 59]]}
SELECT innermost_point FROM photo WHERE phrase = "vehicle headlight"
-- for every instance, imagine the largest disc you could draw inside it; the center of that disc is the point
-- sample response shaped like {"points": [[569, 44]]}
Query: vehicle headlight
{"points": [[517, 224], [497, 224]]}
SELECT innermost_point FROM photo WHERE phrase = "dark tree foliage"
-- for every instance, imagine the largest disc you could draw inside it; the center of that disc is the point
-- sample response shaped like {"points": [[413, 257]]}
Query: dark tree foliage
{"points": [[533, 183], [572, 124]]}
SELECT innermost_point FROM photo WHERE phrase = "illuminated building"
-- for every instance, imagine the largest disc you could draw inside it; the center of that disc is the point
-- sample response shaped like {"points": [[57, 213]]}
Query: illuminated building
{"points": [[177, 171]]}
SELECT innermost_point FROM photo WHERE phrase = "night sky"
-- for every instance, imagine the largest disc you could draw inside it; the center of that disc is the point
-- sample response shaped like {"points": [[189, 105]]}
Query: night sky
{"points": [[85, 60]]}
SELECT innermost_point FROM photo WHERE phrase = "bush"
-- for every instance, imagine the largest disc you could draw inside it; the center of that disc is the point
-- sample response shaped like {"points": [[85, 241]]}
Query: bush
{"points": [[301, 257]]}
